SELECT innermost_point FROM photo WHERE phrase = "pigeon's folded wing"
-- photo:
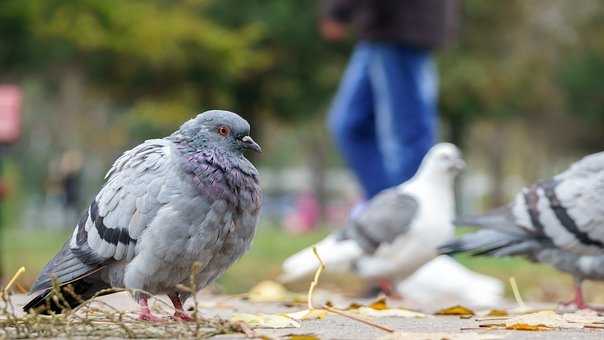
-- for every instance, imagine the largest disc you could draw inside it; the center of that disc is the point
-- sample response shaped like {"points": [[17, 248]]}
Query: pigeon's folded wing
{"points": [[136, 187], [574, 215], [387, 216], [566, 211]]}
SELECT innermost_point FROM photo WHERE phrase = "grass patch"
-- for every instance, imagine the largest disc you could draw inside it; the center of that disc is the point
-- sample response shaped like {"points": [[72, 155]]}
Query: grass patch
{"points": [[31, 249]]}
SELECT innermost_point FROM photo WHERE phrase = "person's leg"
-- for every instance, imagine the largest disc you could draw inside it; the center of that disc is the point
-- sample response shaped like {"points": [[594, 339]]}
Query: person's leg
{"points": [[404, 84], [351, 121]]}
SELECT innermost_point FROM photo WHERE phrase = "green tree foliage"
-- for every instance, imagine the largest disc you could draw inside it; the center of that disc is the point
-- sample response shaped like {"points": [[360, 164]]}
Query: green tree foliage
{"points": [[161, 58], [304, 68]]}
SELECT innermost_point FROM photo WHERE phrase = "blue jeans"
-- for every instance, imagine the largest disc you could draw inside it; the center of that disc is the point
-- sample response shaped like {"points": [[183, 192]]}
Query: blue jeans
{"points": [[383, 117]]}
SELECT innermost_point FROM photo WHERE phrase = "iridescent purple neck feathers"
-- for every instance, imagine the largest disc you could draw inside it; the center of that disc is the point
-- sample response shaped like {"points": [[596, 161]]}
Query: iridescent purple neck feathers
{"points": [[221, 175]]}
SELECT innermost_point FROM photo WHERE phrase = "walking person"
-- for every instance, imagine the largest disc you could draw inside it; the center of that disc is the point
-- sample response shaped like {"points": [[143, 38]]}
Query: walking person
{"points": [[384, 115]]}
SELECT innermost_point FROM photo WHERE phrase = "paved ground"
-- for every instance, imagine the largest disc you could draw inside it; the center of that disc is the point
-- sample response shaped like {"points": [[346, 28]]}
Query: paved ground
{"points": [[338, 327]]}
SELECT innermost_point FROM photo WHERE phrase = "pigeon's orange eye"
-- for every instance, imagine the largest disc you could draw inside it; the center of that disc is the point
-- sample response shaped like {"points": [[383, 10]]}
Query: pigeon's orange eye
{"points": [[224, 131]]}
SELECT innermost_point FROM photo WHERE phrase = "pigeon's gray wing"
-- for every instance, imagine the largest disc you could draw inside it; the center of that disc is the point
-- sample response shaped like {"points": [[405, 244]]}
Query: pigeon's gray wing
{"points": [[136, 187], [387, 216], [575, 220], [566, 211]]}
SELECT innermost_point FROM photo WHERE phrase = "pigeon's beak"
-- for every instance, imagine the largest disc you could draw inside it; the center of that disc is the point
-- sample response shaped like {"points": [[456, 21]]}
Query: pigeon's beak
{"points": [[248, 143]]}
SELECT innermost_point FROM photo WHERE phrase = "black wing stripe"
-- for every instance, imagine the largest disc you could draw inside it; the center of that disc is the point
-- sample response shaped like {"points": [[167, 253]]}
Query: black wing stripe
{"points": [[109, 235], [563, 217]]}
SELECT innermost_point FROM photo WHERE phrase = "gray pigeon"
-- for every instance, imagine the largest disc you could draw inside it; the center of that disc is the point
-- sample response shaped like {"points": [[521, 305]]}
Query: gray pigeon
{"points": [[559, 221], [167, 204]]}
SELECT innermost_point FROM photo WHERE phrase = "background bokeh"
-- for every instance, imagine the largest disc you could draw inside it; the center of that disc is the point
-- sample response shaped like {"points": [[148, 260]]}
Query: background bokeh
{"points": [[521, 92]]}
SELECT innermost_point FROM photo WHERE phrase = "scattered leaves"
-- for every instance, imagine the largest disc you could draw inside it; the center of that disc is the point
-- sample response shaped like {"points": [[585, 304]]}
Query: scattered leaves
{"points": [[456, 310], [266, 320], [441, 336]]}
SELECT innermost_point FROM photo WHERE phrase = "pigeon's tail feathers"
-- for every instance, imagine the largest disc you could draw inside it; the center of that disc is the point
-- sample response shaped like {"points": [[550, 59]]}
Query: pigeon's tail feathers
{"points": [[71, 295], [337, 254], [491, 242], [502, 219], [65, 267]]}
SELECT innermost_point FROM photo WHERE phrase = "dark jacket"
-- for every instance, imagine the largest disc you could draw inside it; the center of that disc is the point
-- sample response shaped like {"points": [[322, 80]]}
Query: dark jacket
{"points": [[419, 23]]}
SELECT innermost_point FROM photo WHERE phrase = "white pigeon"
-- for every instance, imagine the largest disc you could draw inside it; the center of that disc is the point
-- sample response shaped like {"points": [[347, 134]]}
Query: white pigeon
{"points": [[398, 231], [559, 221], [444, 282]]}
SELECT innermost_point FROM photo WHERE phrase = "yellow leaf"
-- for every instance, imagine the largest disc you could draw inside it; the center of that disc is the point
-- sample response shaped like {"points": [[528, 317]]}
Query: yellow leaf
{"points": [[270, 291], [353, 306], [308, 314], [379, 304], [266, 320], [440, 336], [393, 312], [455, 310], [307, 336], [497, 312], [526, 327]]}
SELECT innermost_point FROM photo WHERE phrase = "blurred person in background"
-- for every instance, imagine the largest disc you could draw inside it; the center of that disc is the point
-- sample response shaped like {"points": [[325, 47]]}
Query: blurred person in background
{"points": [[384, 115]]}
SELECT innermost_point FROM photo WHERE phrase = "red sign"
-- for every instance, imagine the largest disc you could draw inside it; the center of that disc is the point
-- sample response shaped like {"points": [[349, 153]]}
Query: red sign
{"points": [[10, 113]]}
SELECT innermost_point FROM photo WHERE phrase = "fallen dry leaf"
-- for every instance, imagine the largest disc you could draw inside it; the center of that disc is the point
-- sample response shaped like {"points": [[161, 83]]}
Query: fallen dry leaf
{"points": [[266, 320], [392, 312], [497, 312], [307, 314], [584, 316], [379, 304], [353, 306], [307, 336], [271, 291], [440, 336], [456, 310], [546, 320], [526, 327]]}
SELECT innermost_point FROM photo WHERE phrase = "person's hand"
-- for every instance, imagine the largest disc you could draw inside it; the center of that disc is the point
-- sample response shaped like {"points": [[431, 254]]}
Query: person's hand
{"points": [[332, 30]]}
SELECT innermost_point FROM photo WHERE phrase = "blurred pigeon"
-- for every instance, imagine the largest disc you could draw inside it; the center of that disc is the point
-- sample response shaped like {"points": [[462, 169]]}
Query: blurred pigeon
{"points": [[556, 221], [399, 229], [444, 282], [167, 204]]}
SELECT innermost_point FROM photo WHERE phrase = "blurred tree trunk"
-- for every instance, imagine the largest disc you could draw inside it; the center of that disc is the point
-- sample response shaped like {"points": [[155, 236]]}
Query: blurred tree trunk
{"points": [[496, 156], [317, 162], [70, 105]]}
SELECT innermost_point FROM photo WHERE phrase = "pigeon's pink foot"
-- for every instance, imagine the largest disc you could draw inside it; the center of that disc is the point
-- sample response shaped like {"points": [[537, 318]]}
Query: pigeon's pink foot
{"points": [[579, 302], [182, 316], [147, 316], [145, 313], [387, 287], [179, 313]]}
